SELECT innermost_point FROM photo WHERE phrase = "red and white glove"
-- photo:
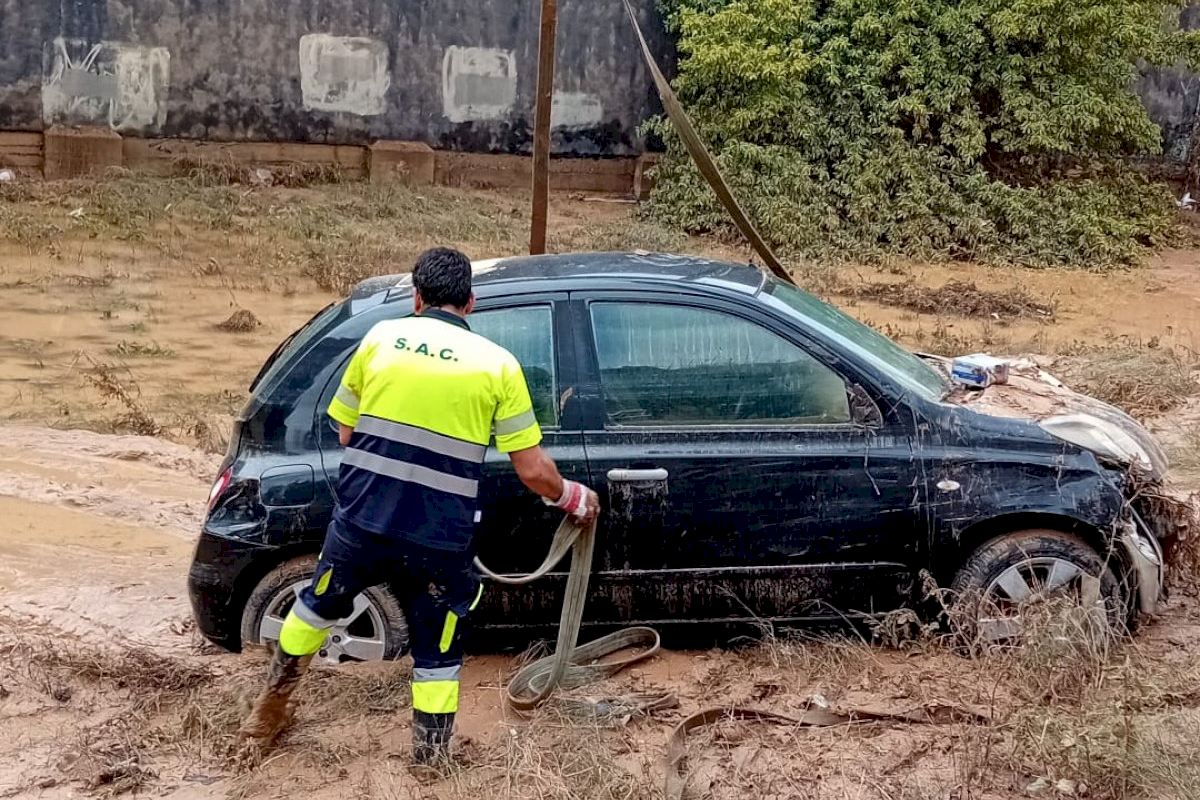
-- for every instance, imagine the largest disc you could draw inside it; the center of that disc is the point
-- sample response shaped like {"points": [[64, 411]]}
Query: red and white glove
{"points": [[574, 500]]}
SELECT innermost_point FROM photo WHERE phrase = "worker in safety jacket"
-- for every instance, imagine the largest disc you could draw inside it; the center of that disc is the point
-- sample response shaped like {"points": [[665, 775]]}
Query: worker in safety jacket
{"points": [[417, 406]]}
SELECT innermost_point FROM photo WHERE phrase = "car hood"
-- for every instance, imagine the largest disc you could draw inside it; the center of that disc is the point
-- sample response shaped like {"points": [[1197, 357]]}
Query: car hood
{"points": [[1033, 394]]}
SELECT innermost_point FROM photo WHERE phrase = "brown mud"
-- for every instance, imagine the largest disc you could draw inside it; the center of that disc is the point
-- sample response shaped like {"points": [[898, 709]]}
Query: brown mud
{"points": [[106, 689]]}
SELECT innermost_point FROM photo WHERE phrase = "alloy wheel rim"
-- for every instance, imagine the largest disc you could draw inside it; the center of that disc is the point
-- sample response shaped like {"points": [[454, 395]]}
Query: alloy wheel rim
{"points": [[1033, 580], [360, 636]]}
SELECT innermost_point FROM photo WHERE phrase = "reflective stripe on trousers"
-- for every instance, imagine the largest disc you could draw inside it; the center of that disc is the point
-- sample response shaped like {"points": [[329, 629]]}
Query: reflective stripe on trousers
{"points": [[435, 689], [450, 626], [303, 632]]}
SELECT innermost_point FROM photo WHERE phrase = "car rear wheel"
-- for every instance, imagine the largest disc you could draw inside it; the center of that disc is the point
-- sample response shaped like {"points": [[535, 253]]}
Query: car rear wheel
{"points": [[376, 630], [1021, 583]]}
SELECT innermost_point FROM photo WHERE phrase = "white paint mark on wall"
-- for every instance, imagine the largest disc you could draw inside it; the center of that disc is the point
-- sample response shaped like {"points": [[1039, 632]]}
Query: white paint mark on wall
{"points": [[120, 85], [344, 73], [478, 83], [575, 110]]}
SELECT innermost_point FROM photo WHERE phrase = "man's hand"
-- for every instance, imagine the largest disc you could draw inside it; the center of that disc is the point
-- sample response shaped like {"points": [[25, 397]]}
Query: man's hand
{"points": [[537, 471], [579, 501]]}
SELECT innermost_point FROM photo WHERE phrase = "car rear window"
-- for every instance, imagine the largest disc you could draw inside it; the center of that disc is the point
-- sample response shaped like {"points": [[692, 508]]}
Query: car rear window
{"points": [[322, 322]]}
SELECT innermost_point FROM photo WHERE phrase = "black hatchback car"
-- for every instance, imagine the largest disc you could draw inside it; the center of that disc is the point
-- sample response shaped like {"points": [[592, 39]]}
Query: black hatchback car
{"points": [[761, 458]]}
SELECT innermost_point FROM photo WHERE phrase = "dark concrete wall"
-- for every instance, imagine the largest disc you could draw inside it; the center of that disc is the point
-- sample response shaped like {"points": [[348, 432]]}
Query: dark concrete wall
{"points": [[1172, 96], [457, 74]]}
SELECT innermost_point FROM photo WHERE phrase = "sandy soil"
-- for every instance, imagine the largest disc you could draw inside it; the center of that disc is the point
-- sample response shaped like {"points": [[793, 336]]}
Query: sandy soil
{"points": [[1158, 303], [105, 688]]}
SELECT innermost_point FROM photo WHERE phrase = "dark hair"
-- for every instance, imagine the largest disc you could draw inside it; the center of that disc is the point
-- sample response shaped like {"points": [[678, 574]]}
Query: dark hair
{"points": [[443, 277]]}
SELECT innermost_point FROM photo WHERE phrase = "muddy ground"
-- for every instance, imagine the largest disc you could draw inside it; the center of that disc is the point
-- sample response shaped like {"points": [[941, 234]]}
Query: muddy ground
{"points": [[114, 296]]}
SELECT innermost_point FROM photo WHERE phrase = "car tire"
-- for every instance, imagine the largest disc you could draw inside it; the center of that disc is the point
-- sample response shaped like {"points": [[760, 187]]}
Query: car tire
{"points": [[382, 622], [1030, 559]]}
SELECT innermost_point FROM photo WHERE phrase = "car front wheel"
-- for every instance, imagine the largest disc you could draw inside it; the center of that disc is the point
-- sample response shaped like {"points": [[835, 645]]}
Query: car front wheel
{"points": [[375, 630], [1020, 583]]}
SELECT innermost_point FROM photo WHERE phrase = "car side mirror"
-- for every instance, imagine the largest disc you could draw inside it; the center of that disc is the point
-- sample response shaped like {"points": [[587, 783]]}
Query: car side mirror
{"points": [[863, 410]]}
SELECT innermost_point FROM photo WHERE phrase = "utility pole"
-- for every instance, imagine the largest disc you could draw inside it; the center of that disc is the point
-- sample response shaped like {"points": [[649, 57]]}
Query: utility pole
{"points": [[541, 127]]}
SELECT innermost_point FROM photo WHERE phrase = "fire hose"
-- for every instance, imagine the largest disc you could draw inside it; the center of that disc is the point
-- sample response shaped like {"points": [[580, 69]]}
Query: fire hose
{"points": [[572, 665]]}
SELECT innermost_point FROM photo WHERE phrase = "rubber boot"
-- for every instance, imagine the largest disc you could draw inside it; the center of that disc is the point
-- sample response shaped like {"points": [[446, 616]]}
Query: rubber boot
{"points": [[272, 711], [431, 739]]}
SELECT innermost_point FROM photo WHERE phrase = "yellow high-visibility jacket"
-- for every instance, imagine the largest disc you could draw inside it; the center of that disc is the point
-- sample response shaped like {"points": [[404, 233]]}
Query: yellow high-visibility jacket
{"points": [[424, 395]]}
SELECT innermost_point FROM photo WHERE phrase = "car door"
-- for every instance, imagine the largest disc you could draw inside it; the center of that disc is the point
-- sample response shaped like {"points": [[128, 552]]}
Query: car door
{"points": [[737, 481], [515, 527]]}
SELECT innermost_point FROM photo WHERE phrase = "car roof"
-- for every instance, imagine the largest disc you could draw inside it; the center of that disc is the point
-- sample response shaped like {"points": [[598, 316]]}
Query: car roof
{"points": [[591, 270]]}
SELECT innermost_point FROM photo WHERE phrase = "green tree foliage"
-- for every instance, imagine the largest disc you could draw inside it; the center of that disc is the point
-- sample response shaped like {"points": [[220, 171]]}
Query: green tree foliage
{"points": [[981, 129]]}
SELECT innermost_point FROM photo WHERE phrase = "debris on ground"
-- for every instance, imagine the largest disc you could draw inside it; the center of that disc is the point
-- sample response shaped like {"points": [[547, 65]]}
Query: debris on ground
{"points": [[240, 321], [963, 298], [1142, 380]]}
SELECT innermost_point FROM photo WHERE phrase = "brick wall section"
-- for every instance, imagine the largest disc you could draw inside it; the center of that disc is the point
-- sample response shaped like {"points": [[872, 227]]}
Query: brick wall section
{"points": [[411, 163], [68, 152], [606, 176], [21, 152]]}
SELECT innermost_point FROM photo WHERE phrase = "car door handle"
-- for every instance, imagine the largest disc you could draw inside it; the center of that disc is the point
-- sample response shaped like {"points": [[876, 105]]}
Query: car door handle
{"points": [[636, 475]]}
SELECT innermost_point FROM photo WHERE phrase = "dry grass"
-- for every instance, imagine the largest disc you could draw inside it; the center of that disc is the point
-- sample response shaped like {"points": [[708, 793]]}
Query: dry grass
{"points": [[112, 387], [337, 270], [340, 234], [1074, 712], [217, 171], [1117, 741], [943, 337], [153, 705], [150, 702], [127, 348], [361, 688], [1145, 380], [209, 437], [955, 297], [1064, 654], [87, 281], [553, 757], [62, 660], [110, 759]]}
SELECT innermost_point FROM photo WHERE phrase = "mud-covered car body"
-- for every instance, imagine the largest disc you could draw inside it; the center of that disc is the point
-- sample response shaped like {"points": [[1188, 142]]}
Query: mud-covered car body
{"points": [[759, 455]]}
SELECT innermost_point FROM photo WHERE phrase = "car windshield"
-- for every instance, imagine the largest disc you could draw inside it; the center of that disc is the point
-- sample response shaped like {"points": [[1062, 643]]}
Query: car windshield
{"points": [[912, 371]]}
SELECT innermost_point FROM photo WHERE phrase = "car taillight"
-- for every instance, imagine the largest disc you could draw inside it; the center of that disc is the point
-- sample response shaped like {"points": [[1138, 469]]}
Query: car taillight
{"points": [[219, 487]]}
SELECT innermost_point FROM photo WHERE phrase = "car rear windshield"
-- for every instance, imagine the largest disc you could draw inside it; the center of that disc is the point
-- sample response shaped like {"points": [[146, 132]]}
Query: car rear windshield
{"points": [[295, 344], [905, 367]]}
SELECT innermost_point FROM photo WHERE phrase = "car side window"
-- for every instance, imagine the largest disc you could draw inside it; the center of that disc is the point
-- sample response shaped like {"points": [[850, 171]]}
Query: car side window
{"points": [[528, 333], [677, 365]]}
